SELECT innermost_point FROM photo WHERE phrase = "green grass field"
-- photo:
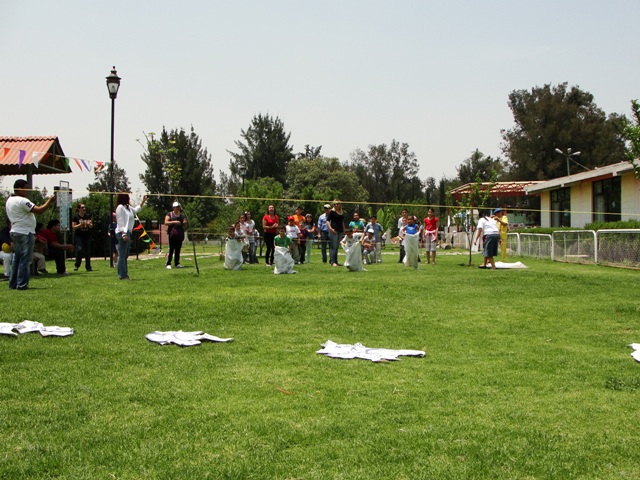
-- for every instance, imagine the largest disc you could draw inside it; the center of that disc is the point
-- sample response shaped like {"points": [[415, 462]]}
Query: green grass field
{"points": [[527, 374]]}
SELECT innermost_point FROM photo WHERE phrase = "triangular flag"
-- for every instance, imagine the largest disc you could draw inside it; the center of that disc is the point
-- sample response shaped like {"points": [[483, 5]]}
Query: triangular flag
{"points": [[147, 240], [153, 244], [143, 234], [34, 159], [65, 162], [85, 165], [138, 227], [78, 163], [21, 159], [99, 167], [5, 152]]}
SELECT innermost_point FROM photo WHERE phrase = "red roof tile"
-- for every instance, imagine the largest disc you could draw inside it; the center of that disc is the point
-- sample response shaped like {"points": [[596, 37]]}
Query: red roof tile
{"points": [[47, 149]]}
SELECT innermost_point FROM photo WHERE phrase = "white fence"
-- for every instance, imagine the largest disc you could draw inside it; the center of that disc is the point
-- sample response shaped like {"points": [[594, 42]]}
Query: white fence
{"points": [[606, 247]]}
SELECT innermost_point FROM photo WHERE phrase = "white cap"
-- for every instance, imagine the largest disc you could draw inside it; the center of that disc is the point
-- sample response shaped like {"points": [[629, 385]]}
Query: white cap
{"points": [[175, 204]]}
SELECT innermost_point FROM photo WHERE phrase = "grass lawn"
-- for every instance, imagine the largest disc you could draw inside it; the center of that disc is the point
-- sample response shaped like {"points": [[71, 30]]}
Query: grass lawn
{"points": [[527, 374]]}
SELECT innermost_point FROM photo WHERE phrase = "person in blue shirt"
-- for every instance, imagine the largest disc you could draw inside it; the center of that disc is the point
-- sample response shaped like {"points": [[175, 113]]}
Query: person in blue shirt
{"points": [[410, 233], [323, 231]]}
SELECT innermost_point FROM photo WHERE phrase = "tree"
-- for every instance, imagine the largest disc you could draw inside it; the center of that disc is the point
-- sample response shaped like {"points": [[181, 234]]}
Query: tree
{"points": [[320, 180], [479, 166], [550, 117], [265, 152], [103, 182], [388, 173], [632, 136], [179, 167]]}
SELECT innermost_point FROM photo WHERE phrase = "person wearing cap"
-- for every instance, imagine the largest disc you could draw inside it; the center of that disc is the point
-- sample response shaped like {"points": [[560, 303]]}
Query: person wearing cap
{"points": [[82, 225], [21, 213], [503, 226], [293, 231], [376, 228], [323, 231], [175, 222], [335, 221], [488, 227]]}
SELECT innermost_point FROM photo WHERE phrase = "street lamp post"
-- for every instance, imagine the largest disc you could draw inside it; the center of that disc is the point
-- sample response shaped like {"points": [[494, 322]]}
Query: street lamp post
{"points": [[113, 84], [242, 169], [568, 154]]}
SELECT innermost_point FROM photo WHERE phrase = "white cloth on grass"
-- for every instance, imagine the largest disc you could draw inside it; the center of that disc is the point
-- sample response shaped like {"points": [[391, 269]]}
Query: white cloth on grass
{"points": [[283, 261], [184, 339], [636, 351], [233, 255], [510, 265], [411, 249], [353, 252], [347, 351], [28, 326]]}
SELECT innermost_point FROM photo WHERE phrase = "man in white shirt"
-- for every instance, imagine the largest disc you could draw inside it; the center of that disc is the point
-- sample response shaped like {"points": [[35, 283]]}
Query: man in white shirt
{"points": [[20, 211]]}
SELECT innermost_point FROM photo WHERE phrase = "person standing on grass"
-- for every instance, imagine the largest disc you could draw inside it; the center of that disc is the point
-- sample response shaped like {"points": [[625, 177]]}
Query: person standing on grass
{"points": [[488, 227], [21, 213], [82, 226], [402, 221], [335, 222], [250, 229], [310, 232], [376, 228], [175, 222], [503, 227], [430, 236], [323, 231], [125, 220], [292, 232], [270, 224], [410, 235]]}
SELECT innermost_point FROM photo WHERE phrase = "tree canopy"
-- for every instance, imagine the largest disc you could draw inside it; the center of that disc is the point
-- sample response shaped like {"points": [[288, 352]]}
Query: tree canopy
{"points": [[177, 164], [479, 166], [265, 151], [388, 173], [102, 181], [551, 117]]}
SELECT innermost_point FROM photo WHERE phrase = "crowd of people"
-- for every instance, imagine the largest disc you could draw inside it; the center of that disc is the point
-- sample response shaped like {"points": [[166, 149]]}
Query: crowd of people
{"points": [[289, 242]]}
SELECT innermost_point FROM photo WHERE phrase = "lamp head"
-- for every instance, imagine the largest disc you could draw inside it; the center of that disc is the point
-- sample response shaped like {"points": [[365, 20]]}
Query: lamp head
{"points": [[113, 83]]}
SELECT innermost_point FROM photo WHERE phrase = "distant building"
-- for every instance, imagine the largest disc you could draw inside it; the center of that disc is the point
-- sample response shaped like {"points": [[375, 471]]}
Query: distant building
{"points": [[604, 194]]}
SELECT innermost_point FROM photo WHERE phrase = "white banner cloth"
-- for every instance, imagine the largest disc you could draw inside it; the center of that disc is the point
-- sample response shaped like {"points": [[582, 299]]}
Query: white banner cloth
{"points": [[353, 252], [636, 351], [346, 351], [28, 326], [184, 339]]}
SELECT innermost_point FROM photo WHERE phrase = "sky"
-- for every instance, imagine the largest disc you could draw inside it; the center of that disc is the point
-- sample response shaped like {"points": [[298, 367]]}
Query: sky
{"points": [[339, 74]]}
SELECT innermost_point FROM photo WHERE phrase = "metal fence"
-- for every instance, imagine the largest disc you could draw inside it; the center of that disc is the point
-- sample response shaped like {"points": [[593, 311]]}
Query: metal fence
{"points": [[607, 247]]}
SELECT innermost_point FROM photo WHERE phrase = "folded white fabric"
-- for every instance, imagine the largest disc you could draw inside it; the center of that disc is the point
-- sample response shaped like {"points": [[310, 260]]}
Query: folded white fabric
{"points": [[184, 339], [28, 326], [636, 351], [347, 351], [510, 265]]}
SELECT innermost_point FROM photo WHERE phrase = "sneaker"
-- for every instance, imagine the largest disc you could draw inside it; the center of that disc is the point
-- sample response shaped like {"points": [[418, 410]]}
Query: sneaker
{"points": [[75, 269], [43, 270], [168, 267], [65, 273], [89, 269], [179, 266]]}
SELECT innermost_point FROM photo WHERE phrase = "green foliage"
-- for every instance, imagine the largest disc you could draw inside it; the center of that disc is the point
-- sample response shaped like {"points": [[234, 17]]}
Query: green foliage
{"points": [[320, 180], [178, 167], [551, 117], [102, 181], [632, 136], [479, 166], [623, 224], [265, 151], [542, 387], [388, 173]]}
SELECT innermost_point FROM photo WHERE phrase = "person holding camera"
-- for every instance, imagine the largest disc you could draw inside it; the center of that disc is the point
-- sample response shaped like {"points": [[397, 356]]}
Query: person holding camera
{"points": [[81, 225]]}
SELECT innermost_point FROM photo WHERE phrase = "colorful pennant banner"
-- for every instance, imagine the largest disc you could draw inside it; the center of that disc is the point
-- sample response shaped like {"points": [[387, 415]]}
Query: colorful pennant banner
{"points": [[38, 157]]}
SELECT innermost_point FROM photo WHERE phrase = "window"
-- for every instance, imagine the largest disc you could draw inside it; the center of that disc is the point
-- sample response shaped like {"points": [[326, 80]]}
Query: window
{"points": [[561, 207], [606, 200]]}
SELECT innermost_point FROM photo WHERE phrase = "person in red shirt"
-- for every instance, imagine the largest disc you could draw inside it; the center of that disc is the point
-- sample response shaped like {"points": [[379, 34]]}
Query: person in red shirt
{"points": [[57, 250], [431, 235], [269, 227]]}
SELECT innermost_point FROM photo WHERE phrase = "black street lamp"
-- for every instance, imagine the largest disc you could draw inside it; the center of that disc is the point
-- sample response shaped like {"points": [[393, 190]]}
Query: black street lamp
{"points": [[242, 169], [113, 84], [568, 155]]}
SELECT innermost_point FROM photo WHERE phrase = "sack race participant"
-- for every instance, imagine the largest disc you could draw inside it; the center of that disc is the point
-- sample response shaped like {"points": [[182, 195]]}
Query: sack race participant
{"points": [[411, 237], [233, 251], [353, 250], [283, 261]]}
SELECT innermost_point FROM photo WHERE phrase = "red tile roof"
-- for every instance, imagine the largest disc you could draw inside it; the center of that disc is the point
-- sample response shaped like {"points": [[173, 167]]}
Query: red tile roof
{"points": [[48, 156]]}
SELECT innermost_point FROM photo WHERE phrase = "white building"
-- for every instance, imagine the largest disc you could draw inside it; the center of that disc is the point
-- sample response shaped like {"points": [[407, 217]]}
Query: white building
{"points": [[604, 194]]}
